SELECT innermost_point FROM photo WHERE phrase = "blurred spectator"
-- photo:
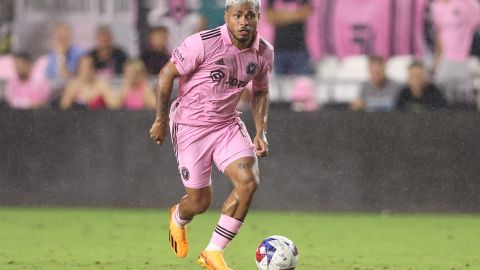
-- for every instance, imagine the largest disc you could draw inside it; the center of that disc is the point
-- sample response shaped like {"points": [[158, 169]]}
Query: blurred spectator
{"points": [[212, 13], [291, 57], [108, 59], [86, 90], [289, 17], [64, 57], [455, 22], [419, 94], [24, 91], [178, 17], [156, 55], [136, 91], [303, 95], [379, 93]]}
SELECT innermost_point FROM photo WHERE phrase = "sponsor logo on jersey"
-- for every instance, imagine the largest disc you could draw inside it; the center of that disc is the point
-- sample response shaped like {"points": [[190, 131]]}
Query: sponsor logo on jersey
{"points": [[217, 75], [179, 55], [235, 82]]}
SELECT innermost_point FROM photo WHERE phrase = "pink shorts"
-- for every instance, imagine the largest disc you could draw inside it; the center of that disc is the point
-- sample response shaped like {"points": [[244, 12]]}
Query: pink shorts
{"points": [[197, 147]]}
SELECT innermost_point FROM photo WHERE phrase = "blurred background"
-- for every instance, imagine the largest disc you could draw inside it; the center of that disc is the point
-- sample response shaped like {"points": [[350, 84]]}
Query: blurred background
{"points": [[374, 103]]}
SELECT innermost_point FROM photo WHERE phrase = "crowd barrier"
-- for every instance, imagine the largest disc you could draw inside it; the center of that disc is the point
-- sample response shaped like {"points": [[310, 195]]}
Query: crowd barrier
{"points": [[327, 161]]}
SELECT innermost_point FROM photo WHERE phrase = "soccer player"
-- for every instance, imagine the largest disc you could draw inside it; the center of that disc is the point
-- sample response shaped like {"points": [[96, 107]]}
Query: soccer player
{"points": [[214, 67]]}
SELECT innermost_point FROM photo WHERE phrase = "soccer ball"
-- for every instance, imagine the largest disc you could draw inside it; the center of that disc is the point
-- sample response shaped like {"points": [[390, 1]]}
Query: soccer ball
{"points": [[277, 253]]}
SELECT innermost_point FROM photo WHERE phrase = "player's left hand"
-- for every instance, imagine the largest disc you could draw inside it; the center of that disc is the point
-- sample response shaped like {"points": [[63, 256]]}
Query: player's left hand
{"points": [[261, 145]]}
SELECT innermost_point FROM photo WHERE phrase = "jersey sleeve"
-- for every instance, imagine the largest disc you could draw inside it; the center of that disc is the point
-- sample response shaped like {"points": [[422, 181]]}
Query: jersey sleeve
{"points": [[261, 81], [189, 55]]}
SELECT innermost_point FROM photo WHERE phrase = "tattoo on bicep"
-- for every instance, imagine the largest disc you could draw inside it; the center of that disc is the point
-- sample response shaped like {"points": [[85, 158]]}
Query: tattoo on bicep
{"points": [[246, 165]]}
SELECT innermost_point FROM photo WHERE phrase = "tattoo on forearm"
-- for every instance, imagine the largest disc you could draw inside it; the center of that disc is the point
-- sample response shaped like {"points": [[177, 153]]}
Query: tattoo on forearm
{"points": [[162, 103], [244, 166], [261, 104]]}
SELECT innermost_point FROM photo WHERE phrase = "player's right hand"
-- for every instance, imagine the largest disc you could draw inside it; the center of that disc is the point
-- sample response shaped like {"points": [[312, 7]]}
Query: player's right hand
{"points": [[158, 130]]}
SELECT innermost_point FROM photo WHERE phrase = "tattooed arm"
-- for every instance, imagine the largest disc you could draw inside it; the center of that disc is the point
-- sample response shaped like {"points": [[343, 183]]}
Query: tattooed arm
{"points": [[260, 106], [165, 84]]}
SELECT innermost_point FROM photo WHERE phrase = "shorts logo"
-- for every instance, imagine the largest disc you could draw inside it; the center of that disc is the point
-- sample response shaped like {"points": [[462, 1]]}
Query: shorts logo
{"points": [[217, 75], [251, 68], [185, 174]]}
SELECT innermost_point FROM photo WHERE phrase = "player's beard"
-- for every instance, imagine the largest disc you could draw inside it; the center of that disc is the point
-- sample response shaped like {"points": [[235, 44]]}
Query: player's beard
{"points": [[244, 40]]}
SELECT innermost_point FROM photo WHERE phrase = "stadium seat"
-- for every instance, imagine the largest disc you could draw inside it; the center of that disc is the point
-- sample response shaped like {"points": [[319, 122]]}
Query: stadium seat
{"points": [[397, 68], [351, 72], [353, 68], [474, 66], [345, 92], [326, 68]]}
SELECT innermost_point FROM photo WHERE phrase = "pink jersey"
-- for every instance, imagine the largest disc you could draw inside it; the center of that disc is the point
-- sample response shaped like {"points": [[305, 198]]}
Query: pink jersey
{"points": [[214, 73], [456, 22], [25, 94]]}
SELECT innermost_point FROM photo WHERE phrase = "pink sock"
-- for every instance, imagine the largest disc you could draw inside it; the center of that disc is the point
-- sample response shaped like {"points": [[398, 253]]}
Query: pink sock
{"points": [[179, 221], [227, 228]]}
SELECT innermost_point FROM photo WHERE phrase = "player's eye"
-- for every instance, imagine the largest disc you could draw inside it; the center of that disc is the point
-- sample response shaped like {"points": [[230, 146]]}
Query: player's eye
{"points": [[237, 16]]}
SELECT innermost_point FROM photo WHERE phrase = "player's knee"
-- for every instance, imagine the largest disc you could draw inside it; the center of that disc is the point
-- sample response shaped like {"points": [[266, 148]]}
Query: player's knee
{"points": [[248, 184], [201, 205]]}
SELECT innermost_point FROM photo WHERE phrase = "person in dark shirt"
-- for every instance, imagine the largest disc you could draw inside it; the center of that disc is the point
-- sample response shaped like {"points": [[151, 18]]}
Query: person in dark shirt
{"points": [[156, 55], [419, 94], [289, 18], [292, 61], [108, 59]]}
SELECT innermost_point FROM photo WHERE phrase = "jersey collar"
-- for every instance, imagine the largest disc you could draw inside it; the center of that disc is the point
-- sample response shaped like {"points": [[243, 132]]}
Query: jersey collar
{"points": [[228, 41]]}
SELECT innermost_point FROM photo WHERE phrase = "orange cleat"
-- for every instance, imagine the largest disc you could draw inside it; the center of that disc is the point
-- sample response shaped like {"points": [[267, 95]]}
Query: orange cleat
{"points": [[177, 237], [212, 260]]}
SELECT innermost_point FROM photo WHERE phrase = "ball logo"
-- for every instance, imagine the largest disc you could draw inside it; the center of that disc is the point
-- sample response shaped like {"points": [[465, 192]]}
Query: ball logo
{"points": [[217, 75], [185, 174], [251, 68]]}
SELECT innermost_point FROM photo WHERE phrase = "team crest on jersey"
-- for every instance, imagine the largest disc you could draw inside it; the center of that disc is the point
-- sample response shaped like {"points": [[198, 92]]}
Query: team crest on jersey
{"points": [[185, 174], [251, 68]]}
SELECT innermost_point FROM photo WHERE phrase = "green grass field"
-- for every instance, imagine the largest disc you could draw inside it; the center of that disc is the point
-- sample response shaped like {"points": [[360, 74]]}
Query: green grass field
{"points": [[55, 239]]}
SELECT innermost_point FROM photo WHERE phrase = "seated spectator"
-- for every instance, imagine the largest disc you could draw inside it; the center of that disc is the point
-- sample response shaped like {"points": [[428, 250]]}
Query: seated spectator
{"points": [[23, 91], [86, 90], [136, 91], [108, 59], [64, 57], [419, 94], [379, 93], [156, 55]]}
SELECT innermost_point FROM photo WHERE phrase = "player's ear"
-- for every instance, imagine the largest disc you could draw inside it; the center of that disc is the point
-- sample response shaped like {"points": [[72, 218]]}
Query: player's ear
{"points": [[225, 15]]}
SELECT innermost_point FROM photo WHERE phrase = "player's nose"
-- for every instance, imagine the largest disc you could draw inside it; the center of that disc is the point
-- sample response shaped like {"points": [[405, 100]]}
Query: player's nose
{"points": [[244, 21]]}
